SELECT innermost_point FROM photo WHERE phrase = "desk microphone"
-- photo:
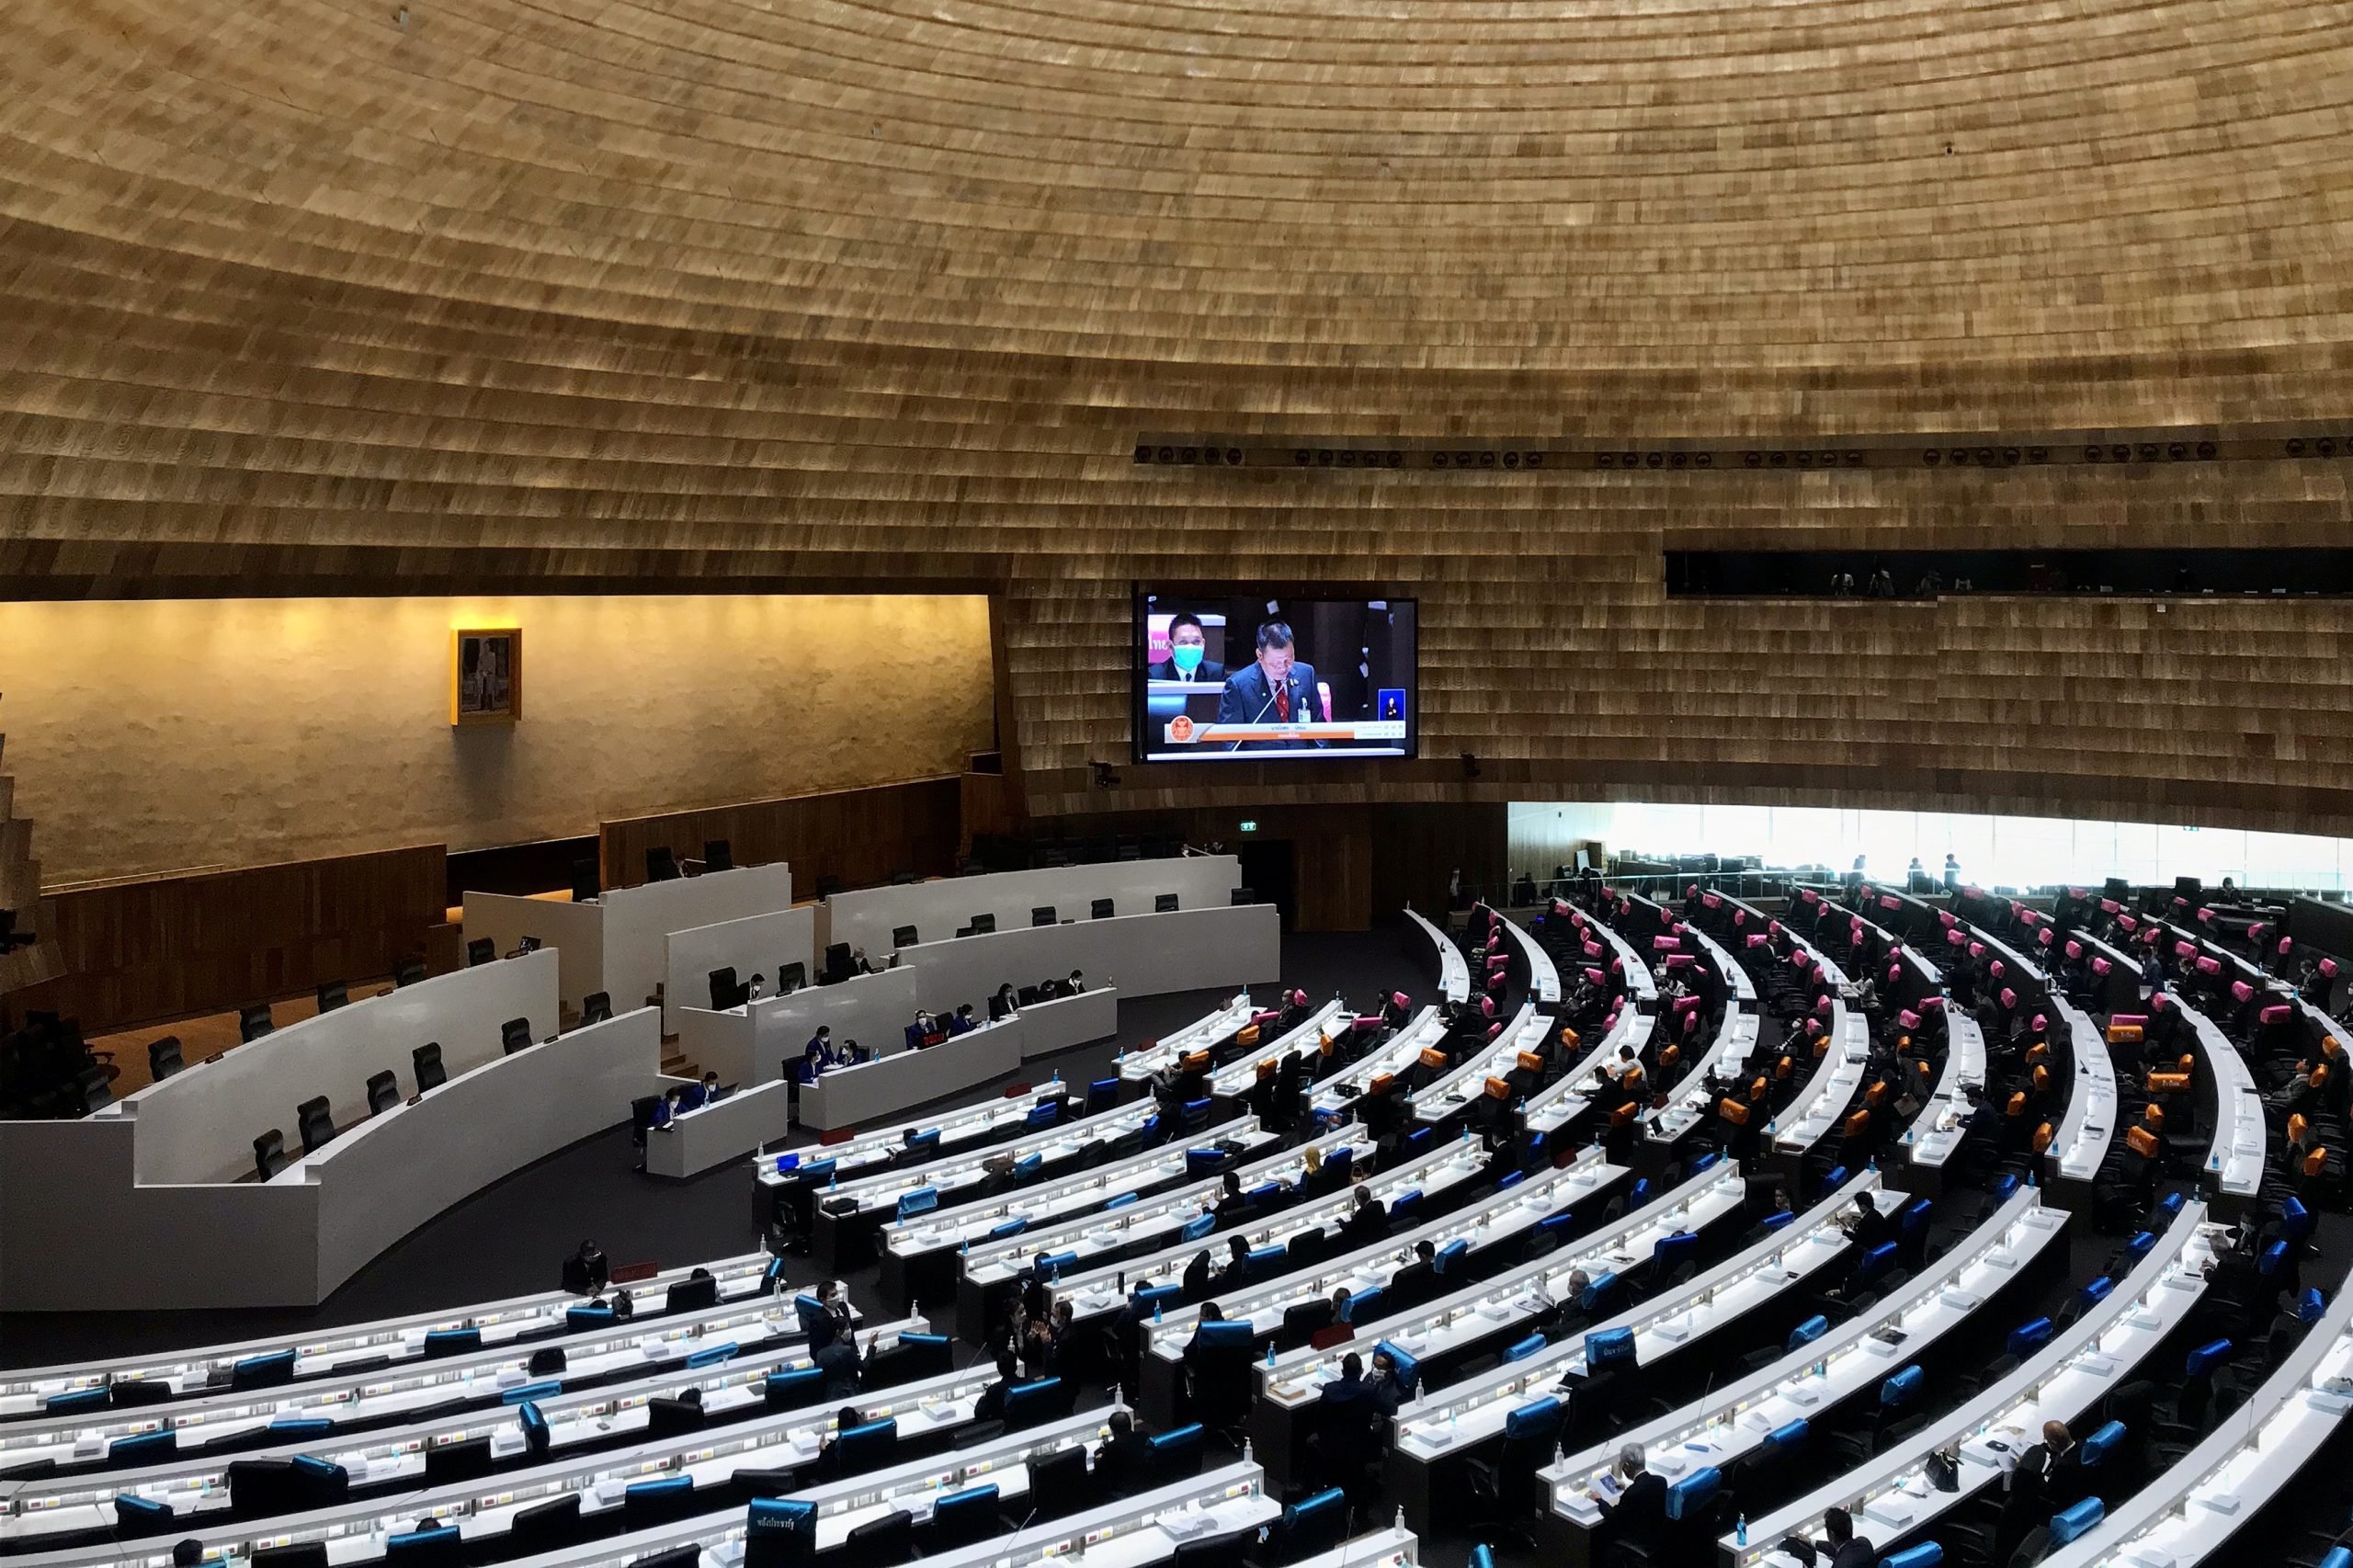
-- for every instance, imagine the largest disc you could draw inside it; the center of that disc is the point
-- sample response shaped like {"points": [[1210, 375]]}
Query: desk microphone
{"points": [[1261, 713]]}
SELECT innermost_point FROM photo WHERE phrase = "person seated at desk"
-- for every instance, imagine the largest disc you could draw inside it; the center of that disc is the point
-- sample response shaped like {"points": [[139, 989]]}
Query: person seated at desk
{"points": [[1396, 1011], [1230, 1204], [858, 964], [1868, 1227], [1120, 1462], [664, 1107], [1388, 1386], [588, 1271], [1367, 1223], [625, 1305], [1839, 1548], [833, 1316], [828, 1464], [1195, 1280], [756, 988], [1771, 1223], [820, 1049], [1294, 1012], [2052, 1470], [963, 1022], [1236, 1272], [1633, 1504], [854, 1055], [690, 1097], [1210, 1312], [1002, 1005], [712, 1092], [1053, 989], [188, 1554]]}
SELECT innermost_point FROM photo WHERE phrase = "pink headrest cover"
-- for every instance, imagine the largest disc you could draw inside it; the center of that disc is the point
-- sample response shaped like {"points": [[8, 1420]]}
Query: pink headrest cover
{"points": [[2184, 950], [1822, 1005], [2078, 893], [1487, 1006], [1682, 960], [1995, 969], [1495, 980], [1692, 890], [2130, 922], [1609, 1023], [1710, 901], [2044, 936], [1889, 901], [1665, 944], [1596, 976], [2328, 967], [1809, 896], [2278, 1013], [1813, 1027], [1498, 960], [2130, 1020], [2209, 965], [1758, 940], [1946, 918], [2206, 914], [2158, 1002], [1740, 917], [1908, 1018], [2255, 932], [2100, 965], [2075, 949], [1773, 927], [1956, 939], [2242, 992], [1263, 1017], [1683, 1003], [1855, 925], [2040, 1023], [2108, 907], [1299, 998], [1365, 1022], [2287, 944], [1616, 966], [1593, 949], [2010, 997], [1398, 997], [1977, 950], [1894, 972], [1494, 1030], [1932, 1003]]}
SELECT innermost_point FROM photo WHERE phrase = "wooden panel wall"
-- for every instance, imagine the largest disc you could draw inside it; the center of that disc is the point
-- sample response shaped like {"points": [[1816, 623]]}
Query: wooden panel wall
{"points": [[859, 836], [138, 952], [884, 293]]}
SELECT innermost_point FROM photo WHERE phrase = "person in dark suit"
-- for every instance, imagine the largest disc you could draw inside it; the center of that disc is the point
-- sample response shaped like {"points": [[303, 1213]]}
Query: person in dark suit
{"points": [[1841, 1545], [1232, 1206], [1236, 1272], [1367, 1223], [1189, 657], [1869, 1227], [1120, 1462], [1271, 689], [2052, 1468], [1636, 1517], [990, 1406]]}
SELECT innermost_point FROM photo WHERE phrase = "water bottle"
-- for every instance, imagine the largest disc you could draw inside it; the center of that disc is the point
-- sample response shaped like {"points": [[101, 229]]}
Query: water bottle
{"points": [[1271, 1353], [1155, 1312], [1740, 1531]]}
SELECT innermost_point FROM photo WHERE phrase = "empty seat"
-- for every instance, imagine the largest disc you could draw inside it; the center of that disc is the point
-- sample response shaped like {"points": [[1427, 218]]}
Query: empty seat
{"points": [[1099, 910], [409, 972], [481, 950], [1042, 915], [596, 1007], [903, 935], [163, 1057], [333, 995], [660, 864], [254, 1022], [426, 1059], [383, 1093], [718, 855], [270, 1153], [514, 1035], [314, 1121]]}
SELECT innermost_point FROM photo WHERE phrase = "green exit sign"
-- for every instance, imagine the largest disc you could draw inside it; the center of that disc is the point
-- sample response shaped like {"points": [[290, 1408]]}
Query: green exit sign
{"points": [[1248, 825]]}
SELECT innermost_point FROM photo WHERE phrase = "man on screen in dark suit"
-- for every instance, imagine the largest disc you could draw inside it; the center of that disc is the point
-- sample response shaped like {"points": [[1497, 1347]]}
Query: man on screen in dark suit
{"points": [[1189, 657], [1271, 689]]}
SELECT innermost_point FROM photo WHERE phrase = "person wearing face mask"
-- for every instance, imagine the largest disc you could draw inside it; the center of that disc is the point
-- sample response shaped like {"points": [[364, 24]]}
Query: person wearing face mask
{"points": [[1189, 657], [1274, 688]]}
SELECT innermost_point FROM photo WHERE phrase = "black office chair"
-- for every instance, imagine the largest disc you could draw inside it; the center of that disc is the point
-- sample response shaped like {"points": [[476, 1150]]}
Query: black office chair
{"points": [[725, 992], [481, 950], [984, 924], [1100, 910], [1042, 914], [667, 1416], [1061, 1484], [791, 978], [163, 1057], [903, 935], [1243, 896], [902, 879], [254, 1022], [427, 1060], [545, 1527], [270, 1153], [514, 1035], [1220, 1552], [1163, 903], [588, 882], [660, 864], [881, 1543], [1506, 1493], [383, 1093], [333, 995], [315, 1122], [409, 972], [718, 855]]}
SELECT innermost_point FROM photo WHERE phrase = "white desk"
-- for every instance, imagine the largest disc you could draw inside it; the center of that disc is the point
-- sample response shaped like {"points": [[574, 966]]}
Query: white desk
{"points": [[1889, 1494], [1726, 1057], [1820, 1105], [1567, 1097], [1453, 975], [2234, 1164], [1722, 1427], [2081, 1141], [752, 1044], [2192, 1510], [1237, 1077], [1336, 1093], [870, 1151], [1935, 1132], [1144, 955], [1488, 1308], [1443, 1096], [1543, 974], [1744, 989], [1089, 1235], [727, 1130], [1205, 1033], [392, 1172], [866, 918]]}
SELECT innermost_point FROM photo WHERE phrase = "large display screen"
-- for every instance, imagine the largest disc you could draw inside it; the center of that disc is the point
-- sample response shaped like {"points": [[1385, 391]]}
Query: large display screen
{"points": [[1254, 676]]}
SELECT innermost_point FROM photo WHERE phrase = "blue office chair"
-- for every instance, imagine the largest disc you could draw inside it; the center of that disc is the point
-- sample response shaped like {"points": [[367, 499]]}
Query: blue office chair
{"points": [[2028, 1337], [2071, 1523], [1504, 1494], [1809, 1331], [1927, 1554], [1529, 1347], [1195, 1229]]}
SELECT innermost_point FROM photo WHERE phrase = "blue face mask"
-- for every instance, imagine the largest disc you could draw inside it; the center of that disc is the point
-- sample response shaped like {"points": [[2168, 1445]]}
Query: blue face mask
{"points": [[1187, 656]]}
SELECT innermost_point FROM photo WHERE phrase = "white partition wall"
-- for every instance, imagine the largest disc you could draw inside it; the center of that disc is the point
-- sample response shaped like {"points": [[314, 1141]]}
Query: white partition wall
{"points": [[577, 932], [390, 1174], [938, 909], [748, 1045], [85, 1232], [1144, 955], [200, 1125], [637, 919], [763, 943], [902, 1079]]}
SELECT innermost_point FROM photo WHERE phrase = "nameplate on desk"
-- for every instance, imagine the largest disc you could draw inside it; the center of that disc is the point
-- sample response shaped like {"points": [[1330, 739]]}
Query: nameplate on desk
{"points": [[1805, 1393], [1437, 1437], [1186, 1523], [2002, 1258], [1675, 1330], [1877, 1347], [2149, 1557], [2190, 1284], [1958, 1299], [2328, 1401], [609, 1490], [2092, 1364], [2223, 1503]]}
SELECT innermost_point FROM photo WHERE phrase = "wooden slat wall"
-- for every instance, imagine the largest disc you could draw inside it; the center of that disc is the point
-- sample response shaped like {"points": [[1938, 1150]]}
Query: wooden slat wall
{"points": [[882, 293], [168, 946], [859, 836]]}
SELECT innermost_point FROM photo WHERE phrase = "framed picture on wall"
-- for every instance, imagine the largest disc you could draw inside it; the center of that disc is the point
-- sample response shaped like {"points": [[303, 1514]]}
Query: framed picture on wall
{"points": [[487, 674]]}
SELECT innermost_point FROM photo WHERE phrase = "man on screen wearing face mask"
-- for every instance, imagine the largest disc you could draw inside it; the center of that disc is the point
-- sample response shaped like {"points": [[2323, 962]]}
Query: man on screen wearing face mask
{"points": [[1272, 689], [1189, 657]]}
